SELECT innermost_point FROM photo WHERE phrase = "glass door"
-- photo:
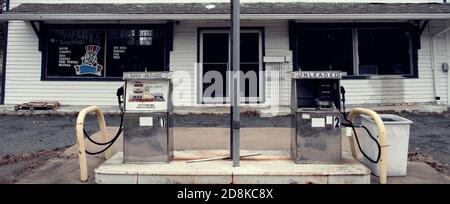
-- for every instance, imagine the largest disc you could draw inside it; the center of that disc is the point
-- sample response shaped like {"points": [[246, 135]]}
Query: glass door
{"points": [[215, 52]]}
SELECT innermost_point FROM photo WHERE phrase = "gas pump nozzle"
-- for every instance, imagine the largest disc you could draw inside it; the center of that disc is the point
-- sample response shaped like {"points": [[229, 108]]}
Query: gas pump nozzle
{"points": [[119, 94], [343, 94]]}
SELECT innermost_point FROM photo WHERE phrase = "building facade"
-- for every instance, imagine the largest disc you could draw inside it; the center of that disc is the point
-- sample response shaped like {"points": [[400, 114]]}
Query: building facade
{"points": [[75, 52]]}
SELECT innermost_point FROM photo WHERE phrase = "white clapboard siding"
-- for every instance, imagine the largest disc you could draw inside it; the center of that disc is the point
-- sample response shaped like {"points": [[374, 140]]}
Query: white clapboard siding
{"points": [[441, 54], [23, 75], [394, 91], [278, 84], [23, 82], [184, 57]]}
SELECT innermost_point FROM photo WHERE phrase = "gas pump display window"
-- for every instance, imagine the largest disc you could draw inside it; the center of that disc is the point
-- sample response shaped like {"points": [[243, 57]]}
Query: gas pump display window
{"points": [[148, 117], [146, 95]]}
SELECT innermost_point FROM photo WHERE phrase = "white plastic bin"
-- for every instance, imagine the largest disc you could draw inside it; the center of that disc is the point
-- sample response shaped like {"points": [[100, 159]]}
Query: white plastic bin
{"points": [[397, 131]]}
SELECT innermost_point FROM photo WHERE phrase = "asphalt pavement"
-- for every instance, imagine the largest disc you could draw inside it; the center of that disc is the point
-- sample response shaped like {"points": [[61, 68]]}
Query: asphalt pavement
{"points": [[430, 133]]}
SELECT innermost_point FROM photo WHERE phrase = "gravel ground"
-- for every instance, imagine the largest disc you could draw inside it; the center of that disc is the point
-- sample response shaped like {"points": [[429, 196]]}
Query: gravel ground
{"points": [[28, 134], [430, 133]]}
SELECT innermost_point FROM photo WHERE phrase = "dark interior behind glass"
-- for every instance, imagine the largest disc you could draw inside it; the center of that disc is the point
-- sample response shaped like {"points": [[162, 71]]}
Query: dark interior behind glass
{"points": [[384, 52], [325, 49]]}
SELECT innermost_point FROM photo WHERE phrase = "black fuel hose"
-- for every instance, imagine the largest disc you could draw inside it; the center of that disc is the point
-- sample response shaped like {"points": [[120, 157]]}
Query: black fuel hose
{"points": [[106, 143], [350, 124], [111, 142]]}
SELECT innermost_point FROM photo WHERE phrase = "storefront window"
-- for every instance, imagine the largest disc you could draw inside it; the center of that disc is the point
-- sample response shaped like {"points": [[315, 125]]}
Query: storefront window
{"points": [[326, 49], [75, 53], [384, 52], [134, 50], [361, 50], [105, 53]]}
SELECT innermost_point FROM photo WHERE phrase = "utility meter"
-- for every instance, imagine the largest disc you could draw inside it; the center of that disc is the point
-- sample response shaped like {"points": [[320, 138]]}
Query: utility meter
{"points": [[148, 121], [315, 122]]}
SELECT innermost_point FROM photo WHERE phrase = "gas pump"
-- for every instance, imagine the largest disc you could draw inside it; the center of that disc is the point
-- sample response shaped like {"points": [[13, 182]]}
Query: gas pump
{"points": [[148, 117], [316, 122]]}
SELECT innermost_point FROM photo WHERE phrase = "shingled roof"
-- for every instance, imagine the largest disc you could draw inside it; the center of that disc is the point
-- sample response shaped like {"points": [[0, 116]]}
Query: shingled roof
{"points": [[224, 8], [294, 10]]}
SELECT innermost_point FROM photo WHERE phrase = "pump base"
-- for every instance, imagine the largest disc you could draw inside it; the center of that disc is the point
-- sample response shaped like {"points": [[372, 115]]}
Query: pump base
{"points": [[272, 167]]}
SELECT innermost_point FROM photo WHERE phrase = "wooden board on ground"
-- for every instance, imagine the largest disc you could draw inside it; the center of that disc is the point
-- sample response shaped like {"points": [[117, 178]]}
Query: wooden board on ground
{"points": [[38, 105]]}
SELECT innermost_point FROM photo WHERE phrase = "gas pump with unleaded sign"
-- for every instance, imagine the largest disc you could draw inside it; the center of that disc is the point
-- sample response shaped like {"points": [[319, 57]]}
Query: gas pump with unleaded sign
{"points": [[148, 123], [316, 123]]}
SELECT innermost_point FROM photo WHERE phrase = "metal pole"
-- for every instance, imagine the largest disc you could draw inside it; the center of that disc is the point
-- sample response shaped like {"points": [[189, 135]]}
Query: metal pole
{"points": [[235, 88]]}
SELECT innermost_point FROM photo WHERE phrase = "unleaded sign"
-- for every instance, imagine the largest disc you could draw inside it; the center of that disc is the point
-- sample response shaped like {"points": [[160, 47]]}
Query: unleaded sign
{"points": [[316, 75]]}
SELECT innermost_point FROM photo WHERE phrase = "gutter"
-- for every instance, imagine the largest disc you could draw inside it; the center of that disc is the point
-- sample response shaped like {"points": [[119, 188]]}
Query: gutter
{"points": [[387, 16]]}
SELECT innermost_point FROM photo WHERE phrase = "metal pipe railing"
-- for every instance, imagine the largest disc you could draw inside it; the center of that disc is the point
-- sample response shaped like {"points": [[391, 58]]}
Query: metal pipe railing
{"points": [[382, 135], [80, 138]]}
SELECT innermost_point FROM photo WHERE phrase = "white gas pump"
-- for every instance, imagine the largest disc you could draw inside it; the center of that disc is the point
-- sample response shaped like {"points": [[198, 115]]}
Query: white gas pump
{"points": [[148, 121], [318, 114], [316, 122]]}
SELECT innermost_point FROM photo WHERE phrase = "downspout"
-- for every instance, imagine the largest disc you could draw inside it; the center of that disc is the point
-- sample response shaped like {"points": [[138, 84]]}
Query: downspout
{"points": [[448, 71], [432, 56]]}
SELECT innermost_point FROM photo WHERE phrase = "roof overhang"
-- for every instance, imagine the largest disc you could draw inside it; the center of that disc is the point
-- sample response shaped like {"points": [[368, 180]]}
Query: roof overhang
{"points": [[137, 17], [220, 11]]}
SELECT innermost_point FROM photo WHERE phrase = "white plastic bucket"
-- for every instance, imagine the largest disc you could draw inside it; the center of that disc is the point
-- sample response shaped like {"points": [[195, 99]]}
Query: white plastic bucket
{"points": [[397, 131]]}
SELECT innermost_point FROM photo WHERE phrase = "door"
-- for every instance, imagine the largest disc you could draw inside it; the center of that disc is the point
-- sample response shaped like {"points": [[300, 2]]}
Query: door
{"points": [[214, 64], [215, 59]]}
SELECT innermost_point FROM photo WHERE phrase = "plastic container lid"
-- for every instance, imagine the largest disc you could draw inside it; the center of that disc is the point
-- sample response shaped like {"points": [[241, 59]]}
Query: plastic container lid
{"points": [[390, 119]]}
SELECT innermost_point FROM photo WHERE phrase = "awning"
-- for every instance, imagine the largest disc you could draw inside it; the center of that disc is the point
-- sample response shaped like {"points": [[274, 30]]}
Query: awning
{"points": [[181, 11]]}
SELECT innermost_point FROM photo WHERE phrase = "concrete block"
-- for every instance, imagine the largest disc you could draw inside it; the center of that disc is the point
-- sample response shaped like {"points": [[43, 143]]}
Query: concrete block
{"points": [[271, 167], [116, 178], [353, 179], [184, 179], [286, 179]]}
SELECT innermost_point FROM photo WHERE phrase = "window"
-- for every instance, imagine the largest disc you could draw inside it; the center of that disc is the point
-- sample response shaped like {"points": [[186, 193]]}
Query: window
{"points": [[134, 50], [103, 53], [358, 49], [384, 52], [73, 53], [251, 66], [214, 56], [326, 49]]}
